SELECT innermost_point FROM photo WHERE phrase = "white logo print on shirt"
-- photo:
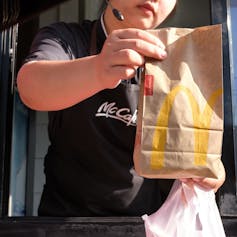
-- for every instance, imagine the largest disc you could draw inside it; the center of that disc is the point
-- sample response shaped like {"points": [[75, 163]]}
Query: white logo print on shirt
{"points": [[110, 110]]}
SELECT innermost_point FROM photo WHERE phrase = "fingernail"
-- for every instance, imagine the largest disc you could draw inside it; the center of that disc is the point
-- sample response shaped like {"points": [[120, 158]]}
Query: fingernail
{"points": [[163, 54]]}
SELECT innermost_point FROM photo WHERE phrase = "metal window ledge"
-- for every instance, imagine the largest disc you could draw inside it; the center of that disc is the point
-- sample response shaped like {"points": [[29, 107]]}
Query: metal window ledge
{"points": [[84, 226]]}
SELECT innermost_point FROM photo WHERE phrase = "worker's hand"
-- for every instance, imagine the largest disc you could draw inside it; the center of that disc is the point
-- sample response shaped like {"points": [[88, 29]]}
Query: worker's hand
{"points": [[207, 183], [123, 52]]}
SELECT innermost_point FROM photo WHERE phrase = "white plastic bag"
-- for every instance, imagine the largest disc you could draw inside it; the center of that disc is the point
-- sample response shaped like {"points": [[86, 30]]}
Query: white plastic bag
{"points": [[187, 212]]}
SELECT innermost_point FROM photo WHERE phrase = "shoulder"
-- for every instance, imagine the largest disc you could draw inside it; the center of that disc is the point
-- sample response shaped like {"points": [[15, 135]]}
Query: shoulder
{"points": [[75, 35], [72, 37], [80, 30]]}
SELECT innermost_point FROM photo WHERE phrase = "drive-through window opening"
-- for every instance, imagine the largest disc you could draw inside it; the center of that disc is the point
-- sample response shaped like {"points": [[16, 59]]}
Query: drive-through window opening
{"points": [[29, 139]]}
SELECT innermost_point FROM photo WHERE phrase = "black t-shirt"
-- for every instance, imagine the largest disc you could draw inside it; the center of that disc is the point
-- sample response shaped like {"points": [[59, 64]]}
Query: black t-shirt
{"points": [[89, 164]]}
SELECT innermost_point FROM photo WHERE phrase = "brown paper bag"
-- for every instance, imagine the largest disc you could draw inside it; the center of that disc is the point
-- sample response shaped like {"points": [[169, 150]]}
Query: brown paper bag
{"points": [[180, 114]]}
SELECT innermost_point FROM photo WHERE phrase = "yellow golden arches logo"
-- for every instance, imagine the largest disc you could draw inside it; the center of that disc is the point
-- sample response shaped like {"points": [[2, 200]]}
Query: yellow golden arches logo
{"points": [[201, 122]]}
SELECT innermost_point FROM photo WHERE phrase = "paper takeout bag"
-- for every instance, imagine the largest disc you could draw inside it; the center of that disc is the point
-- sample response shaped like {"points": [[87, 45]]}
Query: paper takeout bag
{"points": [[180, 114]]}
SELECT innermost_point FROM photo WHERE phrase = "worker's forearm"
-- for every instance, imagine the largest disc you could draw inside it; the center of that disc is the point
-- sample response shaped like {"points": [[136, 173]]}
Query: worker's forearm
{"points": [[55, 85]]}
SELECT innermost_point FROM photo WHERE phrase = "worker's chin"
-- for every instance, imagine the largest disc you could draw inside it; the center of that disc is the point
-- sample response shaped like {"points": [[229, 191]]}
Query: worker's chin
{"points": [[146, 24]]}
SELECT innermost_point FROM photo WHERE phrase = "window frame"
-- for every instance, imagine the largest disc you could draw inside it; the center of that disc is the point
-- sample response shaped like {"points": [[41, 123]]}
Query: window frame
{"points": [[227, 193], [219, 14]]}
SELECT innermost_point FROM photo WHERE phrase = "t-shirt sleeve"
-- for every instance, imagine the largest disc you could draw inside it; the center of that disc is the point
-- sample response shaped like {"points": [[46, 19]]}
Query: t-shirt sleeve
{"points": [[53, 42]]}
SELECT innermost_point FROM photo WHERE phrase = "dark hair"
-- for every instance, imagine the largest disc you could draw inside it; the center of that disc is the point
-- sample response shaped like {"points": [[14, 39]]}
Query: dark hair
{"points": [[172, 14]]}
